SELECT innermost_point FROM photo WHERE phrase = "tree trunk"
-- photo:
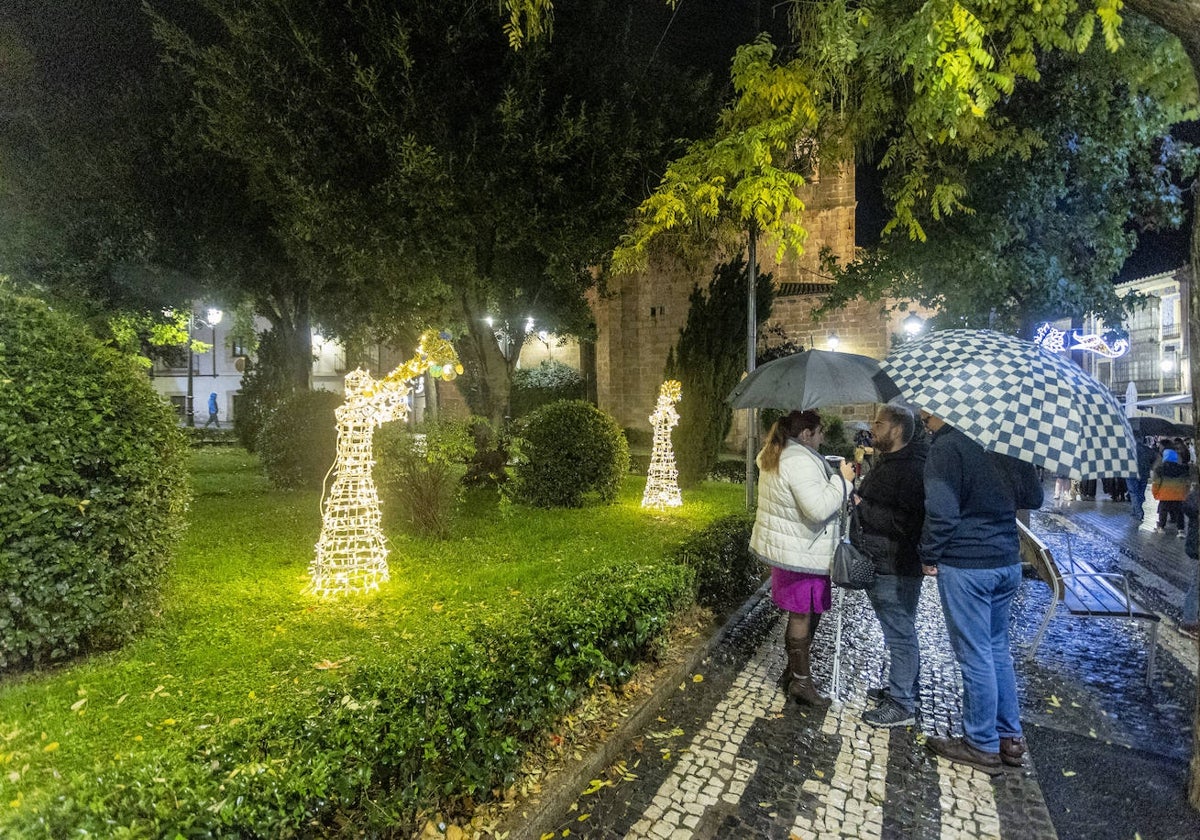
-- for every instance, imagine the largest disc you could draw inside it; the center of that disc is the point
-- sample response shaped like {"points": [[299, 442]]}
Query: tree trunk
{"points": [[292, 319], [491, 371]]}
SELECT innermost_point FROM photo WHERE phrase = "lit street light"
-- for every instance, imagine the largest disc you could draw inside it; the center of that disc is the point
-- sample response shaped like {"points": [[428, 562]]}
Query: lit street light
{"points": [[913, 324], [212, 318]]}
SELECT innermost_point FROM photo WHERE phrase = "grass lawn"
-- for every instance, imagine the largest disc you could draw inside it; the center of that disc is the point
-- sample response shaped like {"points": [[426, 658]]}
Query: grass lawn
{"points": [[238, 638]]}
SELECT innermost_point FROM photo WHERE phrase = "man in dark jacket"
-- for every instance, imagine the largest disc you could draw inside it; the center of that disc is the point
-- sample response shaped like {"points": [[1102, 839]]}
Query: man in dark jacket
{"points": [[970, 542], [891, 508]]}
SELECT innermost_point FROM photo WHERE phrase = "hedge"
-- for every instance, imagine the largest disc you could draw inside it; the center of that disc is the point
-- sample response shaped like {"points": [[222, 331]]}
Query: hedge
{"points": [[93, 487], [399, 738]]}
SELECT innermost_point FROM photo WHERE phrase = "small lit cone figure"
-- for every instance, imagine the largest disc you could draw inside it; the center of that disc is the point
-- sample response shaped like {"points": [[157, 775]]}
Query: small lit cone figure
{"points": [[351, 551], [662, 482]]}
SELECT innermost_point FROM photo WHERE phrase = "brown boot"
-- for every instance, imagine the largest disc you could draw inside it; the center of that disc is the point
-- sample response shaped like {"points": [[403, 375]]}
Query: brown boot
{"points": [[1012, 751], [801, 686]]}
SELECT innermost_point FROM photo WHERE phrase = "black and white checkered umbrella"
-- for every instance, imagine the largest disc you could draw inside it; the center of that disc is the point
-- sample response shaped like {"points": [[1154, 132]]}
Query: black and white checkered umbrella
{"points": [[1015, 398]]}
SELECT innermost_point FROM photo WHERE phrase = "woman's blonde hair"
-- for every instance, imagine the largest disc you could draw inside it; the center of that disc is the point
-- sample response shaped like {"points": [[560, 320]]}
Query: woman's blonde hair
{"points": [[788, 426]]}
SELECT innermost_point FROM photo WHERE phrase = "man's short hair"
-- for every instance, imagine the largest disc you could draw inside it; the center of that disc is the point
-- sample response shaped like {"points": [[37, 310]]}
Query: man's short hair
{"points": [[901, 416]]}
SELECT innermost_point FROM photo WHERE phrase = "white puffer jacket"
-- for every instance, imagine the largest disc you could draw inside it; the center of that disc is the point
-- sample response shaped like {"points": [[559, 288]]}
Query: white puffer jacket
{"points": [[796, 526]]}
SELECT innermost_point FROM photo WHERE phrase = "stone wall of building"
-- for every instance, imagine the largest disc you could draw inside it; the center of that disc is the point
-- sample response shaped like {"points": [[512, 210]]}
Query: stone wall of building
{"points": [[639, 319]]}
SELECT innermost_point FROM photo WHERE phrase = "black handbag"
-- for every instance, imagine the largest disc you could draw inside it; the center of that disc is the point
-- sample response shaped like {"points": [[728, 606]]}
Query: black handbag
{"points": [[852, 568]]}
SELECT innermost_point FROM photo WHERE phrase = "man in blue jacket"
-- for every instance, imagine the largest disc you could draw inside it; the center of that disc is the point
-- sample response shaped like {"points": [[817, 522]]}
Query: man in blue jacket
{"points": [[970, 542]]}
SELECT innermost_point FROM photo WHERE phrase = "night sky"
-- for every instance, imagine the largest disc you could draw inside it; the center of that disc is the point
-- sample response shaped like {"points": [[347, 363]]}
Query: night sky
{"points": [[90, 47]]}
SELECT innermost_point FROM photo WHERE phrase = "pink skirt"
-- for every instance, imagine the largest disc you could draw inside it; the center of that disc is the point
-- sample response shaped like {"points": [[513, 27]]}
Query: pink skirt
{"points": [[800, 592]]}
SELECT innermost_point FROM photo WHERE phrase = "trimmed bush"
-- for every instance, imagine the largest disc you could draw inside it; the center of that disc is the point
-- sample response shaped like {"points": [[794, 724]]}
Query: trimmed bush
{"points": [[569, 449], [488, 464], [92, 488], [549, 382], [297, 443], [726, 572], [398, 738], [729, 470], [419, 473]]}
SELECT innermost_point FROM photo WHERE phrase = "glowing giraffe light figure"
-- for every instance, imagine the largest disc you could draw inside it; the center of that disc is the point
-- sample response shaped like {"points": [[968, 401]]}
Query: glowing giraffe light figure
{"points": [[662, 482], [351, 551]]}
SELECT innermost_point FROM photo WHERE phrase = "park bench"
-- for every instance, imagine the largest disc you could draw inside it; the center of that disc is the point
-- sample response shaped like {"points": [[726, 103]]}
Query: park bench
{"points": [[1084, 591]]}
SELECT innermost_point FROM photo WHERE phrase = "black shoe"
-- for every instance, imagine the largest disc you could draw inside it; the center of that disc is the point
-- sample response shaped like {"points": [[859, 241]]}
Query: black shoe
{"points": [[889, 714], [960, 752], [1012, 751], [877, 695]]}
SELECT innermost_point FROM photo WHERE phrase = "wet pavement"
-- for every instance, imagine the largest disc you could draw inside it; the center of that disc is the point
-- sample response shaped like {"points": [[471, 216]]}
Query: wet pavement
{"points": [[726, 755]]}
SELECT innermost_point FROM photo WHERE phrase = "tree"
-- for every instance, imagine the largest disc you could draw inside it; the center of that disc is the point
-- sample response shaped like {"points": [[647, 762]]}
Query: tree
{"points": [[1048, 234], [439, 175], [708, 360]]}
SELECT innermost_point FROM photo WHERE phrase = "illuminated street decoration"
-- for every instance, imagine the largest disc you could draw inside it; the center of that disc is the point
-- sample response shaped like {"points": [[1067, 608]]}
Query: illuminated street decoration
{"points": [[662, 482], [1055, 341], [351, 551]]}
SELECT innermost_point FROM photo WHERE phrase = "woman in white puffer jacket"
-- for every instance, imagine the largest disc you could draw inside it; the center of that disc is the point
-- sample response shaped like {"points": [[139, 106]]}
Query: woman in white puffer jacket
{"points": [[796, 531]]}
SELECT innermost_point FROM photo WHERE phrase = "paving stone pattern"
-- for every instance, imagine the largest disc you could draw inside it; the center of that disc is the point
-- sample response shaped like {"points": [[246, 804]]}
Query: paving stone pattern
{"points": [[730, 756]]}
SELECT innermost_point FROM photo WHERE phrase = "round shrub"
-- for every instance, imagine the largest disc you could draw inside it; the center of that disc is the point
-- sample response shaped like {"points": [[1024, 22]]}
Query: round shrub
{"points": [[568, 449], [297, 443], [93, 488], [549, 382]]}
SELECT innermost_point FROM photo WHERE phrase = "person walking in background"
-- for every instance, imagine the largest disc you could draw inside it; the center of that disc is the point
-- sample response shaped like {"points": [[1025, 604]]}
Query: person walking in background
{"points": [[212, 411], [1062, 487], [1181, 448], [795, 532], [1170, 486], [970, 542], [1137, 484], [891, 508], [1191, 599]]}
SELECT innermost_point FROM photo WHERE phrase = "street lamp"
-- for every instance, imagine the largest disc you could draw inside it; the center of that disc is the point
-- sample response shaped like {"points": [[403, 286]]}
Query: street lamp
{"points": [[833, 341], [913, 325], [212, 318]]}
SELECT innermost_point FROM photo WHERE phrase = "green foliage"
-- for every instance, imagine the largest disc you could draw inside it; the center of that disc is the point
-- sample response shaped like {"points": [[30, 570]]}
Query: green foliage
{"points": [[242, 664], [200, 436], [726, 572], [1047, 245], [569, 449], [488, 464], [402, 735], [549, 382], [708, 360], [729, 470], [298, 439], [265, 384], [419, 472], [836, 442], [92, 489]]}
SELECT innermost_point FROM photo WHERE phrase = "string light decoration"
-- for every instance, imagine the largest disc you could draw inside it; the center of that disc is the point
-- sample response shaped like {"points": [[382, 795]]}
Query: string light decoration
{"points": [[662, 483], [1055, 341], [351, 551]]}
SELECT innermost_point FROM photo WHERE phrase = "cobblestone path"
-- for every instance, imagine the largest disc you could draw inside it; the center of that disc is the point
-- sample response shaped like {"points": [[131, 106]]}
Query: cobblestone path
{"points": [[728, 756]]}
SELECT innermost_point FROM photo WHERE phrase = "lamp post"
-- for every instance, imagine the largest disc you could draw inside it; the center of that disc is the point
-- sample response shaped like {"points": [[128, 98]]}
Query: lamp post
{"points": [[212, 318]]}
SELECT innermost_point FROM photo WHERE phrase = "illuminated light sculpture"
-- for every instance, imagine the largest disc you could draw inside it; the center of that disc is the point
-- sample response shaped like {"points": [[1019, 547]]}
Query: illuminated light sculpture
{"points": [[662, 482], [351, 551], [1055, 341]]}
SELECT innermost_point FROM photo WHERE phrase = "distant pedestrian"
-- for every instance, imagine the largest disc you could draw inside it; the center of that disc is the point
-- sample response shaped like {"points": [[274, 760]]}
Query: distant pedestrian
{"points": [[1137, 484], [1170, 486], [1181, 447], [1062, 486], [795, 532], [970, 543], [1191, 600], [891, 508], [212, 411]]}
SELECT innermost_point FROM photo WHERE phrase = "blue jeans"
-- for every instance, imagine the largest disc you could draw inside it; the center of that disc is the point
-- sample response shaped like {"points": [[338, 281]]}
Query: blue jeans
{"points": [[976, 603], [894, 598], [1137, 495]]}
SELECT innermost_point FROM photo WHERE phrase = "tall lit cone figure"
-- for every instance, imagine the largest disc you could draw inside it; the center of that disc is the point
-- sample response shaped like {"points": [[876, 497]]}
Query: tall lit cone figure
{"points": [[352, 551], [662, 482]]}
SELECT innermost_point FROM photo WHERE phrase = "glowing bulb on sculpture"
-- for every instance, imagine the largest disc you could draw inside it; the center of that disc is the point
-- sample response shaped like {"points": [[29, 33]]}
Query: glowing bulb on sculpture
{"points": [[662, 482], [351, 551]]}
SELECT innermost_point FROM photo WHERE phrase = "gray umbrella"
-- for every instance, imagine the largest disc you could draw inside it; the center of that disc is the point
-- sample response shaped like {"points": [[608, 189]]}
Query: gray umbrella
{"points": [[813, 378]]}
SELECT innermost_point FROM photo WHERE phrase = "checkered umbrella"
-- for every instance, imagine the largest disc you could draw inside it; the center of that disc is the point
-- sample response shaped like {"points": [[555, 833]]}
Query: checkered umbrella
{"points": [[811, 379], [1015, 398]]}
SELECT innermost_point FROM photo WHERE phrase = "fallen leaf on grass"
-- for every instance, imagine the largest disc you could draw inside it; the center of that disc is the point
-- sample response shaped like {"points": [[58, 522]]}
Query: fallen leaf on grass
{"points": [[1068, 773], [51, 747], [78, 704], [698, 678]]}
